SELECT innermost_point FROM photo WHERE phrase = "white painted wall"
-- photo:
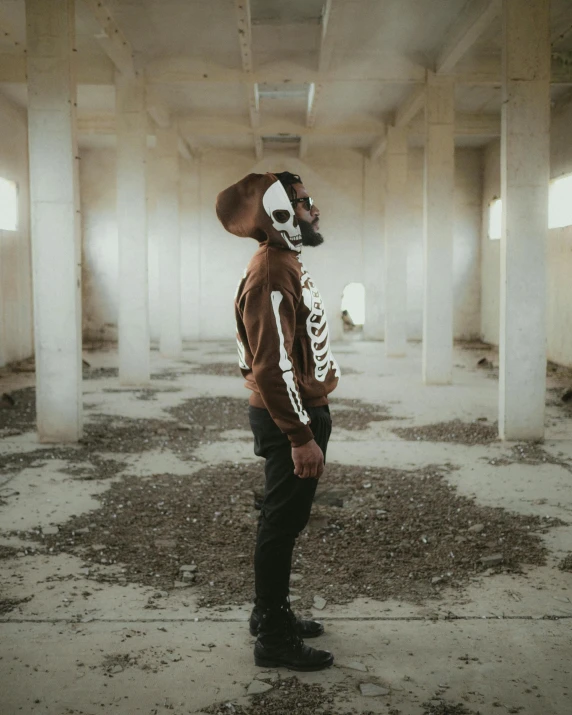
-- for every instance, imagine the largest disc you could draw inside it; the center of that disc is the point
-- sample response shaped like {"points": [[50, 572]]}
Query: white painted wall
{"points": [[466, 249], [347, 189], [16, 306], [559, 249], [100, 249]]}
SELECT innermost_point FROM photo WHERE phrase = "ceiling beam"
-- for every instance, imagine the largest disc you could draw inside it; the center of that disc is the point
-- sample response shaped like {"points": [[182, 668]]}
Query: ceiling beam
{"points": [[316, 89], [410, 107], [466, 124], [190, 126], [480, 71], [244, 24], [378, 148], [159, 114], [475, 18], [111, 38]]}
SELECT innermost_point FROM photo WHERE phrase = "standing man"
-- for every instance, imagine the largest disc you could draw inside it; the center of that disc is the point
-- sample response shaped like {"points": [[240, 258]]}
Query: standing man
{"points": [[285, 357]]}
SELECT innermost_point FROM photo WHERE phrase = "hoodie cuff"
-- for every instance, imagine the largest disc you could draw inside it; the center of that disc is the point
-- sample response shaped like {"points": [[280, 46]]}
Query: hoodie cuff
{"points": [[301, 436]]}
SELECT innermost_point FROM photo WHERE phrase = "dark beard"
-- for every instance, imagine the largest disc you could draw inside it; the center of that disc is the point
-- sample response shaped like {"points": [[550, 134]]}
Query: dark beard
{"points": [[310, 237]]}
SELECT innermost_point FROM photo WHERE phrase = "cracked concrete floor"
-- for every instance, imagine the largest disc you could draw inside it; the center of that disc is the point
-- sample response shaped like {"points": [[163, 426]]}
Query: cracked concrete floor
{"points": [[502, 644]]}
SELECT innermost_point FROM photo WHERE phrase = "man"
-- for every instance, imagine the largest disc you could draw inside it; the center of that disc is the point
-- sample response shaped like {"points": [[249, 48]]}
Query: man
{"points": [[285, 357]]}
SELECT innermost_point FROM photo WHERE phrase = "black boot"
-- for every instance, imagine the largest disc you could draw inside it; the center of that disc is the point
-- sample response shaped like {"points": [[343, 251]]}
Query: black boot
{"points": [[279, 644], [304, 628]]}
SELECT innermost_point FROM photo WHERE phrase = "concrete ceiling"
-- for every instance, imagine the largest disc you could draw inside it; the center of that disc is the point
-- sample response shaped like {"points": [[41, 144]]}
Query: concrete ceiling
{"points": [[360, 61]]}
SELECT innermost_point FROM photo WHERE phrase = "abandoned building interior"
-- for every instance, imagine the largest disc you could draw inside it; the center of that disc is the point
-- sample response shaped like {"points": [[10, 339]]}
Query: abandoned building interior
{"points": [[435, 136]]}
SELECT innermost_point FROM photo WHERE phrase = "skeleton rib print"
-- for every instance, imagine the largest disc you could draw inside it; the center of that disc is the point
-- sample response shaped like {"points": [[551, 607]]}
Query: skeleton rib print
{"points": [[317, 328]]}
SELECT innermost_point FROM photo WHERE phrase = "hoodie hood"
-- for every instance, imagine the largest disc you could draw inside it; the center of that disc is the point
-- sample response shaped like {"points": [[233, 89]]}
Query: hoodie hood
{"points": [[258, 207]]}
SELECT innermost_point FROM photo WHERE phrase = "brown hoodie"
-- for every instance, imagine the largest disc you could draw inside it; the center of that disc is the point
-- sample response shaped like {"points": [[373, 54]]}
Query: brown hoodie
{"points": [[282, 331]]}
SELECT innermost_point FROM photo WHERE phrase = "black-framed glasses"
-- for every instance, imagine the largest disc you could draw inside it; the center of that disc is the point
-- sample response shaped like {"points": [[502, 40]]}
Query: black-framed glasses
{"points": [[307, 201]]}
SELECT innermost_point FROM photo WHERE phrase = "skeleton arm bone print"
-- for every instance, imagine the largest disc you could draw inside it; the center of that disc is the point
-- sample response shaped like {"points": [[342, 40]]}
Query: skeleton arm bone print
{"points": [[270, 335]]}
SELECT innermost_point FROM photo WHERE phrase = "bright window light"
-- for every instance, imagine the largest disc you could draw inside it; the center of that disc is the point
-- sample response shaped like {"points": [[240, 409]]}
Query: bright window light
{"points": [[560, 202], [495, 219], [8, 205], [353, 303]]}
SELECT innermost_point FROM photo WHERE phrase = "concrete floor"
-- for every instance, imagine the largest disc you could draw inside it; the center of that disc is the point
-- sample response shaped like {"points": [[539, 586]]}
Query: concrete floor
{"points": [[502, 645]]}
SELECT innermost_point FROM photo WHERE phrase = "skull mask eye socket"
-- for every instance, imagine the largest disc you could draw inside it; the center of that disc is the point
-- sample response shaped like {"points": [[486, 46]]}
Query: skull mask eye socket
{"points": [[282, 216]]}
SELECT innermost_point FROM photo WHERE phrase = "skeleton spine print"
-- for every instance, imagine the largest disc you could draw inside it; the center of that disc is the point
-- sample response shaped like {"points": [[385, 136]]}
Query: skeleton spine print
{"points": [[317, 328]]}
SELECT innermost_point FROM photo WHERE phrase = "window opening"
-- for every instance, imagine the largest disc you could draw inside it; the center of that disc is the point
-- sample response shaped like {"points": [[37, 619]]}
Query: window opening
{"points": [[560, 202], [353, 306], [495, 219]]}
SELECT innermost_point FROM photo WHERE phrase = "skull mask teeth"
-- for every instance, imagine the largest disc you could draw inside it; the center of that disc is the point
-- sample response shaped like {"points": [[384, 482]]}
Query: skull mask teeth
{"points": [[281, 213]]}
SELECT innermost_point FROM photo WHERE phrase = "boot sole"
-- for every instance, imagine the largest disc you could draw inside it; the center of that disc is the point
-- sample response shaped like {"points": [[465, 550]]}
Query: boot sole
{"points": [[254, 634], [269, 663]]}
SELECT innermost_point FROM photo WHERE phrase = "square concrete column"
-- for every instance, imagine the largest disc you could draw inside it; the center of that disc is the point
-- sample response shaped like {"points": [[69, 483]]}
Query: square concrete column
{"points": [[134, 356], [525, 164], [190, 246], [438, 230], [169, 239], [397, 219], [373, 248], [55, 218]]}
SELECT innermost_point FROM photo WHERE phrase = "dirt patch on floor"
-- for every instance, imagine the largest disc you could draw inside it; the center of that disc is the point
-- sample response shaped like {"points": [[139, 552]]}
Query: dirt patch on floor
{"points": [[193, 423], [18, 411], [531, 453], [456, 432], [290, 696], [566, 563], [145, 393], [82, 463], [100, 373], [9, 604], [7, 552], [212, 414], [355, 415], [442, 707], [399, 534], [222, 369]]}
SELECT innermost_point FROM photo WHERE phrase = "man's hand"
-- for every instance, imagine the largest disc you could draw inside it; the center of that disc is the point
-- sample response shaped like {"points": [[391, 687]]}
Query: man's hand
{"points": [[308, 460]]}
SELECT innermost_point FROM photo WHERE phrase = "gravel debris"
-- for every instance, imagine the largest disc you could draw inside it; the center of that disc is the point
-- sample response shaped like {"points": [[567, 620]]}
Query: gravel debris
{"points": [[388, 541], [7, 552], [290, 696], [566, 563], [441, 707], [531, 453], [456, 432], [355, 415], [222, 369], [9, 604]]}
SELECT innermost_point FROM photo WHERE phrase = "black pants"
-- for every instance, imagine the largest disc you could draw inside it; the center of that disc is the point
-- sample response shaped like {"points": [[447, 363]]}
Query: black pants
{"points": [[287, 501]]}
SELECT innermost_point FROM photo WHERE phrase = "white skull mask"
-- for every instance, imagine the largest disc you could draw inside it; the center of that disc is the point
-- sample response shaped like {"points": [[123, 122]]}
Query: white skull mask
{"points": [[278, 207]]}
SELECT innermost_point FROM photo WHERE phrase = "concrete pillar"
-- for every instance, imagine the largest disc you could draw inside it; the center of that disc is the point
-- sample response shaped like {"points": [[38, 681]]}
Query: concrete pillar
{"points": [[190, 247], [374, 201], [55, 218], [438, 230], [525, 162], [134, 360], [397, 219], [167, 215]]}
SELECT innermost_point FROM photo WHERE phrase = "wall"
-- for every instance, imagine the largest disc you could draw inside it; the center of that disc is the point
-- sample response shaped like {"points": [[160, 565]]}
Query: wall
{"points": [[347, 188], [16, 305], [466, 247], [559, 249], [100, 258]]}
